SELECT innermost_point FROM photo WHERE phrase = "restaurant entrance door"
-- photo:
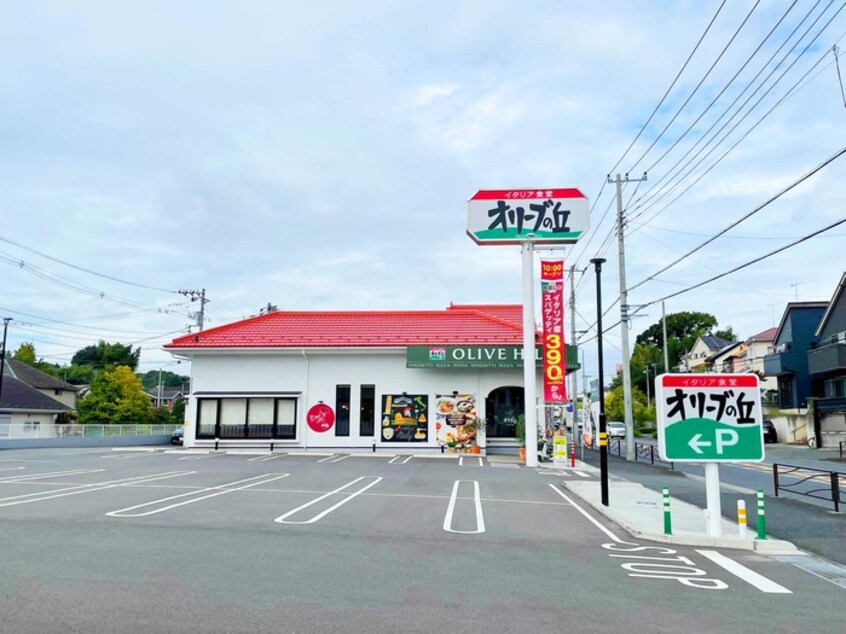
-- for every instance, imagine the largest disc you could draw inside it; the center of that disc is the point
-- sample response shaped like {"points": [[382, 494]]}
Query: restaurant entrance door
{"points": [[502, 407]]}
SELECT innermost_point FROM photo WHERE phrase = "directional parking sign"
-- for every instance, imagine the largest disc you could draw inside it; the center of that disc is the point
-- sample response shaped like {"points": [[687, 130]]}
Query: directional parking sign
{"points": [[709, 418]]}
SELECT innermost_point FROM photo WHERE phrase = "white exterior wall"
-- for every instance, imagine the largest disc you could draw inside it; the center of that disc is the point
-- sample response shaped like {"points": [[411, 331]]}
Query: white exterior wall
{"points": [[22, 425], [755, 362], [314, 375]]}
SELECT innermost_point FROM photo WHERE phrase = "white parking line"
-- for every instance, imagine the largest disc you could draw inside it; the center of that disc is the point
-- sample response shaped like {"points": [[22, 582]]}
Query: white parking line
{"points": [[749, 576], [395, 458], [477, 501], [41, 496], [127, 456], [204, 456], [283, 519], [50, 474], [461, 461], [581, 474], [504, 465], [13, 469], [24, 460], [587, 515], [266, 458], [339, 458], [221, 489]]}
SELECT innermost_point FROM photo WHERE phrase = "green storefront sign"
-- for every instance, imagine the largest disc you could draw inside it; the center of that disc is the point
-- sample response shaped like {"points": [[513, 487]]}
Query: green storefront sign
{"points": [[436, 356]]}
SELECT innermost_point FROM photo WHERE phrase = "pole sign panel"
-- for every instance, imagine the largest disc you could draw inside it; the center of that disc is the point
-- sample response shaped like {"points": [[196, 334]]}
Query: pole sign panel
{"points": [[709, 418], [559, 450], [552, 311], [542, 216]]}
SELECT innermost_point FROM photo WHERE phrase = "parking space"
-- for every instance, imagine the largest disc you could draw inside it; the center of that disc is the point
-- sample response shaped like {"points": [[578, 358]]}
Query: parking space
{"points": [[417, 521]]}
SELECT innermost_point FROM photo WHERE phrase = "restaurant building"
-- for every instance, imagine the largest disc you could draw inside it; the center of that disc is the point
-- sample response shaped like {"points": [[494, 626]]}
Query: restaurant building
{"points": [[410, 381]]}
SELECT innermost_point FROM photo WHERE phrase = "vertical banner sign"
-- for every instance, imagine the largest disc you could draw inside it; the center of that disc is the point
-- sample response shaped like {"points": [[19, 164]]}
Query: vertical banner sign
{"points": [[552, 309]]}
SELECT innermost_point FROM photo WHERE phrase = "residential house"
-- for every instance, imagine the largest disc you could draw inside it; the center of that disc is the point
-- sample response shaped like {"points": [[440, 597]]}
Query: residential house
{"points": [[167, 398], [55, 388], [26, 412], [704, 347], [757, 347], [827, 367], [795, 335], [722, 361]]}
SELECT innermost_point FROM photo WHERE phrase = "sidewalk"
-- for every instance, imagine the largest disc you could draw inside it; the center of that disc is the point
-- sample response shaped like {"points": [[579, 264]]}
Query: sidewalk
{"points": [[639, 510], [809, 527]]}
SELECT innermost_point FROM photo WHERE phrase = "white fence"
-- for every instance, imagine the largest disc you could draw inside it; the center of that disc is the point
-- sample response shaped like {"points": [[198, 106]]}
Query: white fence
{"points": [[38, 430]]}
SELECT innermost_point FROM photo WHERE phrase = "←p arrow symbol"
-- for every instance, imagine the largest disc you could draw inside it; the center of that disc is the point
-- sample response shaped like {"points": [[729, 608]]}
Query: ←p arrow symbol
{"points": [[695, 443], [726, 438]]}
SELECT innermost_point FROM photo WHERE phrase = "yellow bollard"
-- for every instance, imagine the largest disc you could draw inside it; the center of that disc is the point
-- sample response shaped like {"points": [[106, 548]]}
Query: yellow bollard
{"points": [[741, 519]]}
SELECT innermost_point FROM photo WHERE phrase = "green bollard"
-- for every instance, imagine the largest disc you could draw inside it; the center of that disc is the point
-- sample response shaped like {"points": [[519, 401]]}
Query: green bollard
{"points": [[668, 525], [762, 519]]}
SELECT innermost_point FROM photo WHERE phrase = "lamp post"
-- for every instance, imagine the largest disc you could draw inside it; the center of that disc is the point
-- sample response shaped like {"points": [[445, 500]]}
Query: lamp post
{"points": [[6, 321], [603, 432]]}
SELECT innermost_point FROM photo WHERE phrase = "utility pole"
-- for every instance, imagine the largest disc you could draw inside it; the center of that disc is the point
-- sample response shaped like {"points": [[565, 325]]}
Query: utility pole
{"points": [[624, 314], [198, 295], [6, 321], [666, 352], [159, 399], [574, 376]]}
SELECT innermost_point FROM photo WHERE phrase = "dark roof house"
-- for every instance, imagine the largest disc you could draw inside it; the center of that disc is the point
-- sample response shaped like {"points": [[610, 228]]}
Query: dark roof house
{"points": [[19, 397], [35, 377]]}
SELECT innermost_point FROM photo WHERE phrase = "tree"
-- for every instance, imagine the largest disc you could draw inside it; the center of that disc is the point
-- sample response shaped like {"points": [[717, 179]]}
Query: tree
{"points": [[727, 334], [614, 406], [105, 356], [25, 354], [116, 397], [150, 380], [683, 329], [177, 416]]}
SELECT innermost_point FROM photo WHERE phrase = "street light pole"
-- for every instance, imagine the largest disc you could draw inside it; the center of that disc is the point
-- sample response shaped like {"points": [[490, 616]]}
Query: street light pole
{"points": [[6, 321], [603, 432]]}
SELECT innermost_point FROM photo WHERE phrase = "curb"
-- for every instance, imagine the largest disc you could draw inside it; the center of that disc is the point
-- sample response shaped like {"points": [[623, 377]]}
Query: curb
{"points": [[769, 546]]}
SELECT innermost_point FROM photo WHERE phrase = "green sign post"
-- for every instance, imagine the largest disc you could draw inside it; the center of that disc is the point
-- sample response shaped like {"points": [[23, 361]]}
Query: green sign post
{"points": [[709, 418]]}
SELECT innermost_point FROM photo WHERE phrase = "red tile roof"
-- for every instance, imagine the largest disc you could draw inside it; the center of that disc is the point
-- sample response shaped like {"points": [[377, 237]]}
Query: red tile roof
{"points": [[767, 335], [459, 325]]}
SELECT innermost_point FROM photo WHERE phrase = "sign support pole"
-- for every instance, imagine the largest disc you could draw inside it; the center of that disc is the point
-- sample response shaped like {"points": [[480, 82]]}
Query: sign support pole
{"points": [[529, 376], [712, 495]]}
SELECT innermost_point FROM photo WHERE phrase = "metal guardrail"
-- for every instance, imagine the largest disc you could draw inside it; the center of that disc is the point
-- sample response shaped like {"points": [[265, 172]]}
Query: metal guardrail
{"points": [[643, 451], [807, 474], [26, 431]]}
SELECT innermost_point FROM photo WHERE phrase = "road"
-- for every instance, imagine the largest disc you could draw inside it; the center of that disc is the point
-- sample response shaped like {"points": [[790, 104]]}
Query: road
{"points": [[176, 542]]}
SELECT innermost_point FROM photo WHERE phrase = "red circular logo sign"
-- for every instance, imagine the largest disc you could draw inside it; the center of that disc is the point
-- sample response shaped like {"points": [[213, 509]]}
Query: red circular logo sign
{"points": [[320, 418]]}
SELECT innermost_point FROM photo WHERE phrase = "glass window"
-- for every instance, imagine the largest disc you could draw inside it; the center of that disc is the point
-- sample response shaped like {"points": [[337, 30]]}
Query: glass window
{"points": [[286, 418], [367, 410], [342, 410], [260, 418], [207, 418], [233, 417]]}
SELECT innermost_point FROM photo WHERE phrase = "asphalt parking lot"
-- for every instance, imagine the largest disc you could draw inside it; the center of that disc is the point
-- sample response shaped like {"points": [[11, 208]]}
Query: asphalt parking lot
{"points": [[175, 541]]}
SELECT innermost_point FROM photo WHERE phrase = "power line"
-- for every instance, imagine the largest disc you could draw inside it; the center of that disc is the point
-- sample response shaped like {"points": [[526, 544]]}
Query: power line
{"points": [[749, 263], [670, 88], [698, 86], [746, 216], [85, 270], [723, 90], [655, 194], [784, 98]]}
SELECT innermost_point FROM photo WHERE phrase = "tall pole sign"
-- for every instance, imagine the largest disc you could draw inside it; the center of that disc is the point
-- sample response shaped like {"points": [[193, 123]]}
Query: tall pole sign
{"points": [[552, 315], [547, 216]]}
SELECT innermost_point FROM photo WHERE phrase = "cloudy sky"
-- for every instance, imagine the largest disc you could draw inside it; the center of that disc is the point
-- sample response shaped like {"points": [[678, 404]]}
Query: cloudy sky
{"points": [[319, 155]]}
